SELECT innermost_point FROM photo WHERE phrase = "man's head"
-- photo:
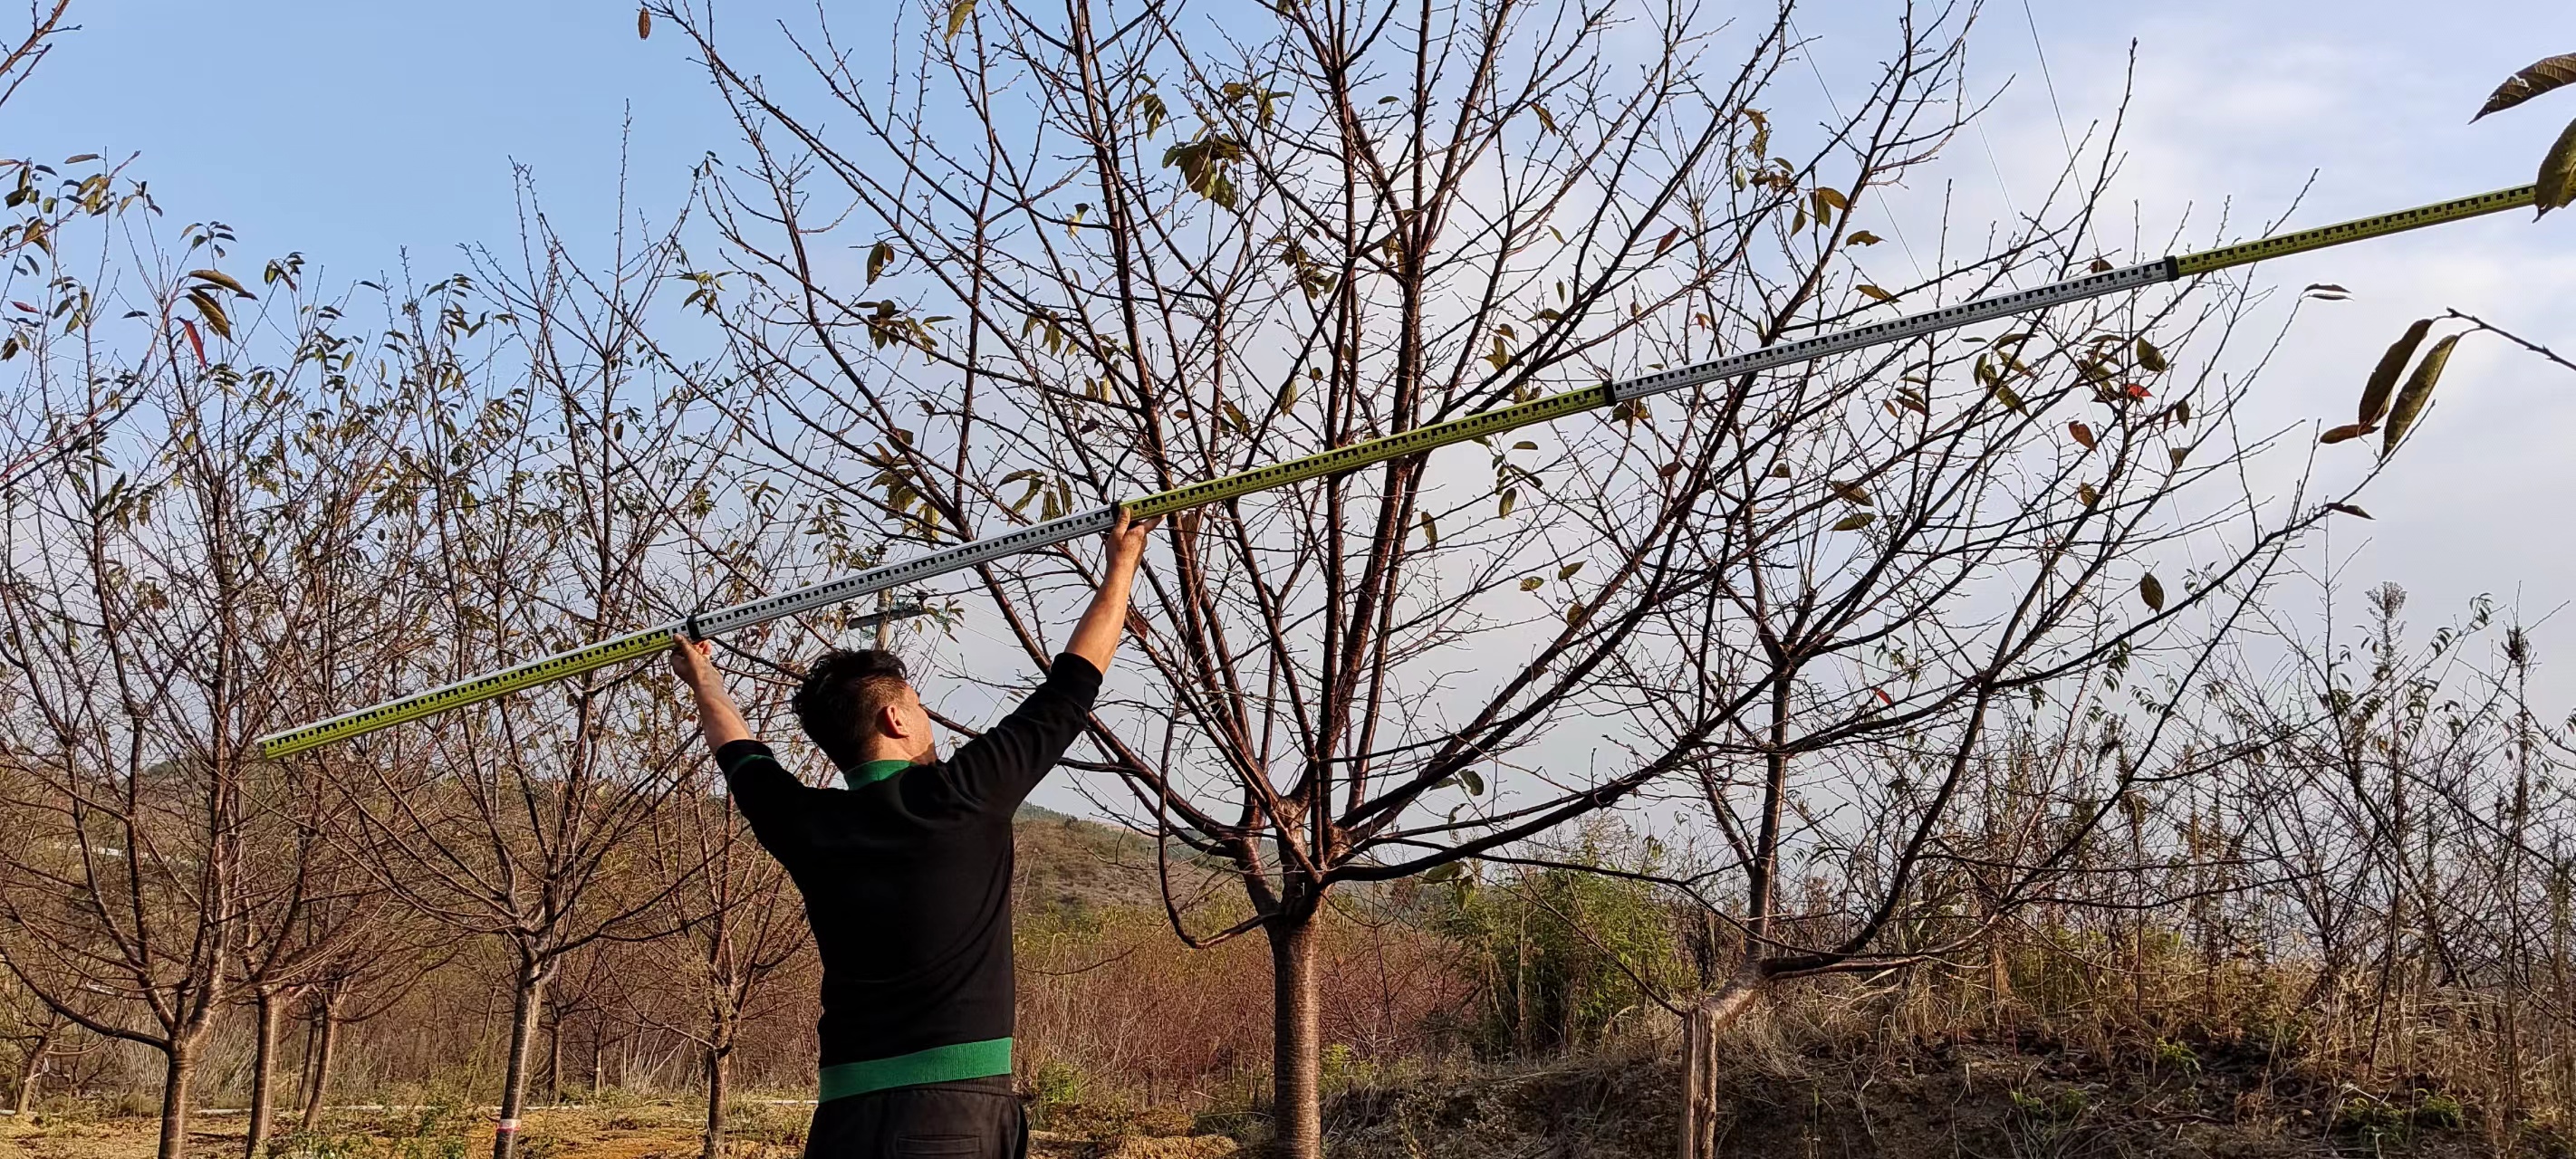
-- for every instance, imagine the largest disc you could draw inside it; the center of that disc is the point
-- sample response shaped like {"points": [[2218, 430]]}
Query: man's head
{"points": [[859, 707]]}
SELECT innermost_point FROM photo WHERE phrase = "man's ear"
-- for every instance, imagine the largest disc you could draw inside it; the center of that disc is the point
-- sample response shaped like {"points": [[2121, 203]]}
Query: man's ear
{"points": [[890, 722]]}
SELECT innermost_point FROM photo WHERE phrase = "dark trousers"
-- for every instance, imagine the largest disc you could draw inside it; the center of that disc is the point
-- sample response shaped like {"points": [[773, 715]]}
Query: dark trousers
{"points": [[973, 1119]]}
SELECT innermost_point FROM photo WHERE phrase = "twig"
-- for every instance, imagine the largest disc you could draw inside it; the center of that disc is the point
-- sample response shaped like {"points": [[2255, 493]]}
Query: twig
{"points": [[2510, 336]]}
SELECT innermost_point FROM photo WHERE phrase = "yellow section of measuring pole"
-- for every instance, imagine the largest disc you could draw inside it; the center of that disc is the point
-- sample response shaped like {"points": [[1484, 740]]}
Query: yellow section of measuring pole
{"points": [[560, 666], [2247, 253], [1377, 450]]}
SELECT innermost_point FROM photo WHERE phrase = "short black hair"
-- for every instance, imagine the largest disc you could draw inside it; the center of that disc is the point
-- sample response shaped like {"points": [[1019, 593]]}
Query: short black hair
{"points": [[837, 703]]}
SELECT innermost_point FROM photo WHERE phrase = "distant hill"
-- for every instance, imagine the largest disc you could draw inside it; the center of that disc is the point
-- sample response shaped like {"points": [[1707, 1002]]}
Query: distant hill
{"points": [[1068, 863]]}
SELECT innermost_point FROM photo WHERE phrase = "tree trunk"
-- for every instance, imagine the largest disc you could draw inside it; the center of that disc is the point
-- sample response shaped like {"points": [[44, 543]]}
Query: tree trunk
{"points": [[263, 1072], [514, 1082], [1699, 1059], [1297, 1108], [177, 1076], [716, 1080], [554, 1060], [31, 1071], [318, 1081]]}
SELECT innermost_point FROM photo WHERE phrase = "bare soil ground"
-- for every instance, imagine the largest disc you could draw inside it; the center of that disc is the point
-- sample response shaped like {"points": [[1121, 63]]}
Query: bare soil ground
{"points": [[1998, 1096], [659, 1130]]}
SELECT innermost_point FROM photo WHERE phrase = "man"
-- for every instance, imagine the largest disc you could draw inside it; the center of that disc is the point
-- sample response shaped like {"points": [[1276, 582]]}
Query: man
{"points": [[906, 874]]}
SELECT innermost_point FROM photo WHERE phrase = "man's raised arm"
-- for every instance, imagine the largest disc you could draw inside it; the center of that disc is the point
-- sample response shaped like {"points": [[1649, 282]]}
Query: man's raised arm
{"points": [[1096, 638], [718, 720]]}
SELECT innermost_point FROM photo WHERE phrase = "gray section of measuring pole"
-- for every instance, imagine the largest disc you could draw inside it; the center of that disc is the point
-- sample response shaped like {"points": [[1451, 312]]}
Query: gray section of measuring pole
{"points": [[877, 579], [1899, 329]]}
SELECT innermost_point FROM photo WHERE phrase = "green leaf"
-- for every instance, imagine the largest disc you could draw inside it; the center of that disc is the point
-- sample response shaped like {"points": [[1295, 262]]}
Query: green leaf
{"points": [[1875, 294], [2557, 183], [1531, 583], [2383, 379], [2152, 591], [1511, 498], [2417, 392], [878, 255], [1567, 572], [2541, 77], [1855, 521], [2344, 432], [1849, 493], [1474, 782], [2150, 359], [958, 13], [1862, 237]]}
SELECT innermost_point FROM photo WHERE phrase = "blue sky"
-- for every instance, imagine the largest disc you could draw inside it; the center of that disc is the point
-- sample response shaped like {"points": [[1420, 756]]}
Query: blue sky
{"points": [[355, 132]]}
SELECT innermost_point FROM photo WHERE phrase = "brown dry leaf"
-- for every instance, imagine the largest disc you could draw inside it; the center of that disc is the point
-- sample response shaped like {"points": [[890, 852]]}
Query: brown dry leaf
{"points": [[2153, 592], [2083, 434], [2383, 381], [643, 23], [2085, 492], [2557, 183], [2418, 391], [2348, 509], [1875, 294], [2530, 82], [2345, 432]]}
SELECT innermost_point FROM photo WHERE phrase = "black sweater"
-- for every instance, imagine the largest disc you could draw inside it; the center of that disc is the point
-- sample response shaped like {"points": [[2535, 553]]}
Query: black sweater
{"points": [[907, 883]]}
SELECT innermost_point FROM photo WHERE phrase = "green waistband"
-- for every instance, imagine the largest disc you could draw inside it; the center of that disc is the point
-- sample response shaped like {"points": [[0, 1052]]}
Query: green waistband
{"points": [[939, 1064]]}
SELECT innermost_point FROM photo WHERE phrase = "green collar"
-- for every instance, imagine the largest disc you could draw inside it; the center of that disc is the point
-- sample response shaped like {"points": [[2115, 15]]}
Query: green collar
{"points": [[875, 771]]}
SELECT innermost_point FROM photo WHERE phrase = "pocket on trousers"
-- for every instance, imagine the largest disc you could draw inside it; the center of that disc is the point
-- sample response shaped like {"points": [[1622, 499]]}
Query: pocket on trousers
{"points": [[938, 1147]]}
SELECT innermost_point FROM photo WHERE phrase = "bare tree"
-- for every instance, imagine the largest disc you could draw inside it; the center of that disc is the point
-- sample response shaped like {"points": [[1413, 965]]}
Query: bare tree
{"points": [[319, 925], [148, 579], [741, 926], [37, 1030], [552, 510], [1113, 249]]}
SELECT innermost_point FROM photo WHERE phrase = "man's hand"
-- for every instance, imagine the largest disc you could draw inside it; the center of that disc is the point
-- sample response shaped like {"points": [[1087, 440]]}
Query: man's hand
{"points": [[718, 719], [1125, 543], [689, 663], [1096, 637]]}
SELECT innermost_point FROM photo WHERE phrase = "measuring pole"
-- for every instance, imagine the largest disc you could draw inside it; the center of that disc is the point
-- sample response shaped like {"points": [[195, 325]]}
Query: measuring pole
{"points": [[1340, 459]]}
